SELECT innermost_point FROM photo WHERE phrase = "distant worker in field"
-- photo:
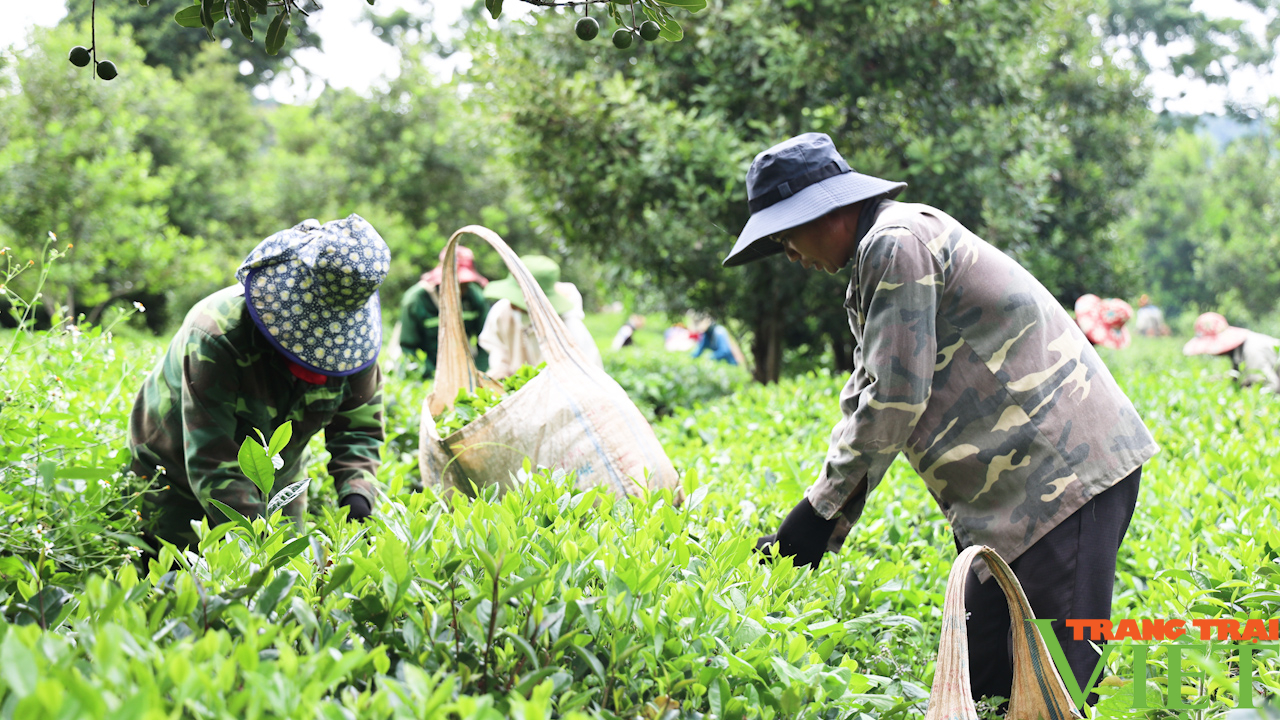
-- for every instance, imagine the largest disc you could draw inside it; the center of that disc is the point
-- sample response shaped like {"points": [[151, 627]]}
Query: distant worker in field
{"points": [[970, 367], [1102, 321], [626, 335], [295, 339], [420, 312], [1255, 357], [508, 334], [1150, 319], [716, 341]]}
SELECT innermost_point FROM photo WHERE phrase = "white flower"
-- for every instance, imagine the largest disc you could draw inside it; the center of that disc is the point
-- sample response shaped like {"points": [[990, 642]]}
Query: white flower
{"points": [[160, 470], [104, 484], [137, 551], [141, 308]]}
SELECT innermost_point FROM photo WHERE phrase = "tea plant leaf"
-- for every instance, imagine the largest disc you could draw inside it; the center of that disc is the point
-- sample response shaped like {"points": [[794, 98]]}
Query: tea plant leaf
{"points": [[255, 464], [591, 660], [17, 666], [234, 516], [337, 576], [287, 495], [274, 592], [280, 439], [523, 645], [291, 550]]}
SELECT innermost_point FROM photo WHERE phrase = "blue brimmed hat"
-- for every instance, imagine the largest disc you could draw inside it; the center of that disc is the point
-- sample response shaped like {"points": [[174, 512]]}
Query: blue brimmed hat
{"points": [[796, 181], [313, 292]]}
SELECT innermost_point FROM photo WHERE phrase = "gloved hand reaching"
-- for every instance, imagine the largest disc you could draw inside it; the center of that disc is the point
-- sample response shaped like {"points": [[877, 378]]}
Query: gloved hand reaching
{"points": [[802, 535], [358, 506]]}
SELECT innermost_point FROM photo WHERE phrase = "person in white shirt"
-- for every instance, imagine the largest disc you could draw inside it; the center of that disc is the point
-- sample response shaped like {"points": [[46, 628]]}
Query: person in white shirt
{"points": [[1255, 357], [508, 334]]}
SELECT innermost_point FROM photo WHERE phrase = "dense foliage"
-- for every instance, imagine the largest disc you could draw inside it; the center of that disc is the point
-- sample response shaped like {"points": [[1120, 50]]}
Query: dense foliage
{"points": [[1208, 220], [550, 601], [1014, 118], [661, 382]]}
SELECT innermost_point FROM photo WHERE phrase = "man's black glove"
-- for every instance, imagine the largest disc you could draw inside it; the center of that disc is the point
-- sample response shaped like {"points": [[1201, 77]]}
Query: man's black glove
{"points": [[358, 506], [802, 535]]}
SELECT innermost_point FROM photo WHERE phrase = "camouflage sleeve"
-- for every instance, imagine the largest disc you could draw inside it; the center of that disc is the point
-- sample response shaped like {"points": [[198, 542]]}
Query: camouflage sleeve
{"points": [[354, 437], [210, 391], [895, 301]]}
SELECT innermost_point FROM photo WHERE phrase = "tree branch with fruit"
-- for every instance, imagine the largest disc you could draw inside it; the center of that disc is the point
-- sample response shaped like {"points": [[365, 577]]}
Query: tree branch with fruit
{"points": [[650, 20]]}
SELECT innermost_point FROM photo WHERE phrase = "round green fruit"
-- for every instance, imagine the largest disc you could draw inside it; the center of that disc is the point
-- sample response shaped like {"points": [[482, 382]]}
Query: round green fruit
{"points": [[622, 38], [79, 56], [107, 70], [586, 28], [650, 30]]}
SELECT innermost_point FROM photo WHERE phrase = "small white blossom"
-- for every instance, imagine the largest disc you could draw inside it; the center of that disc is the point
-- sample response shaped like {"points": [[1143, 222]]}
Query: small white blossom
{"points": [[160, 470], [140, 306]]}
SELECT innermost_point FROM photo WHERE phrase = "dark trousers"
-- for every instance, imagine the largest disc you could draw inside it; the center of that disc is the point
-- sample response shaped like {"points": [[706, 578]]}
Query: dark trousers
{"points": [[1067, 574]]}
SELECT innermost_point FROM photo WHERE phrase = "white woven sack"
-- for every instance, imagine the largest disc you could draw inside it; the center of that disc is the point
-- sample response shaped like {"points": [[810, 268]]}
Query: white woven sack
{"points": [[571, 416]]}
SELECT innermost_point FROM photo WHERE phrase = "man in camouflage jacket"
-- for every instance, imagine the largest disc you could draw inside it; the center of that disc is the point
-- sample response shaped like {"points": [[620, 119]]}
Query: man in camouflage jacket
{"points": [[274, 349], [969, 367]]}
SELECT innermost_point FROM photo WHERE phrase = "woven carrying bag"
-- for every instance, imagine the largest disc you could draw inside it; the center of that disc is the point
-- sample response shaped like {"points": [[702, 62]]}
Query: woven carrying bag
{"points": [[1038, 692], [571, 416]]}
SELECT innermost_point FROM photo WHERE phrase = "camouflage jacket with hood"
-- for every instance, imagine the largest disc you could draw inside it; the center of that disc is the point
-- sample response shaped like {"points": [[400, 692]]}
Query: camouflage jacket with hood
{"points": [[216, 383], [968, 365]]}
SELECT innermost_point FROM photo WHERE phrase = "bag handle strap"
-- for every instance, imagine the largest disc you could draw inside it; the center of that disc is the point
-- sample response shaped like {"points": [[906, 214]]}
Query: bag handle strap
{"points": [[1038, 691], [455, 368]]}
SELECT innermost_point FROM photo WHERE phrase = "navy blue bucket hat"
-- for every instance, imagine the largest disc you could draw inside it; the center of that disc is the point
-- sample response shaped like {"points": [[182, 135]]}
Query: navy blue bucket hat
{"points": [[796, 181], [313, 292]]}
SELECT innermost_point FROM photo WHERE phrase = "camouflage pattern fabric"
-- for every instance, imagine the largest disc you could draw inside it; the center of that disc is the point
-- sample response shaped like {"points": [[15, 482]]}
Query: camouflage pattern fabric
{"points": [[216, 383], [420, 323], [967, 365]]}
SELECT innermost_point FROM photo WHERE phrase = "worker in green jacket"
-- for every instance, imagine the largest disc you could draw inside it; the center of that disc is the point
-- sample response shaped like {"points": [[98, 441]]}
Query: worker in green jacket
{"points": [[295, 340], [420, 313]]}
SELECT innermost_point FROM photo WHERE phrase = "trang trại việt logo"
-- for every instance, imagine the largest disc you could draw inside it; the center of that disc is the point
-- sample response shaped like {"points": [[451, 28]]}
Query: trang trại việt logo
{"points": [[1237, 642]]}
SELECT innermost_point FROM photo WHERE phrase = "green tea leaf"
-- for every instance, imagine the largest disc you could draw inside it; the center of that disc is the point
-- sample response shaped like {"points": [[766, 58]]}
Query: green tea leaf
{"points": [[274, 592], [255, 464], [287, 495], [280, 439], [233, 515]]}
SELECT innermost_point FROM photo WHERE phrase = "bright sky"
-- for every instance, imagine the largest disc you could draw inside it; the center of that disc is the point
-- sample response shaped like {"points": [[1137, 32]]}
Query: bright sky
{"points": [[346, 38]]}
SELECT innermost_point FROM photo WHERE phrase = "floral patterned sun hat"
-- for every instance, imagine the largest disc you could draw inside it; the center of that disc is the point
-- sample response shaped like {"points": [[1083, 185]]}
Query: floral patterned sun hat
{"points": [[1214, 336], [1102, 321], [313, 292]]}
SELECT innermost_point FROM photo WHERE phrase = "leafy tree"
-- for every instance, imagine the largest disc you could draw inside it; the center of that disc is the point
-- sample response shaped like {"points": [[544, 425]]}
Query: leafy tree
{"points": [[1240, 261], [168, 44], [1207, 221], [268, 24], [1197, 44], [76, 159], [410, 158], [1011, 117], [1173, 209]]}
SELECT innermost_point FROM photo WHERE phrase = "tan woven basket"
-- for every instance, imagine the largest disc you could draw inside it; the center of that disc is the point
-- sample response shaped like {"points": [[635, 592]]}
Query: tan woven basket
{"points": [[572, 416], [1038, 692]]}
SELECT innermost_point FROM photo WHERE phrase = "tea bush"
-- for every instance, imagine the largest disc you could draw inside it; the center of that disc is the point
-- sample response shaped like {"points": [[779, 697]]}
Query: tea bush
{"points": [[550, 602], [660, 382]]}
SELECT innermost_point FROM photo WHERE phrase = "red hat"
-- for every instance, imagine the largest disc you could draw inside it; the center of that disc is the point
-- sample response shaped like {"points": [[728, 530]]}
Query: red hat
{"points": [[466, 269], [1214, 336], [1102, 321]]}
